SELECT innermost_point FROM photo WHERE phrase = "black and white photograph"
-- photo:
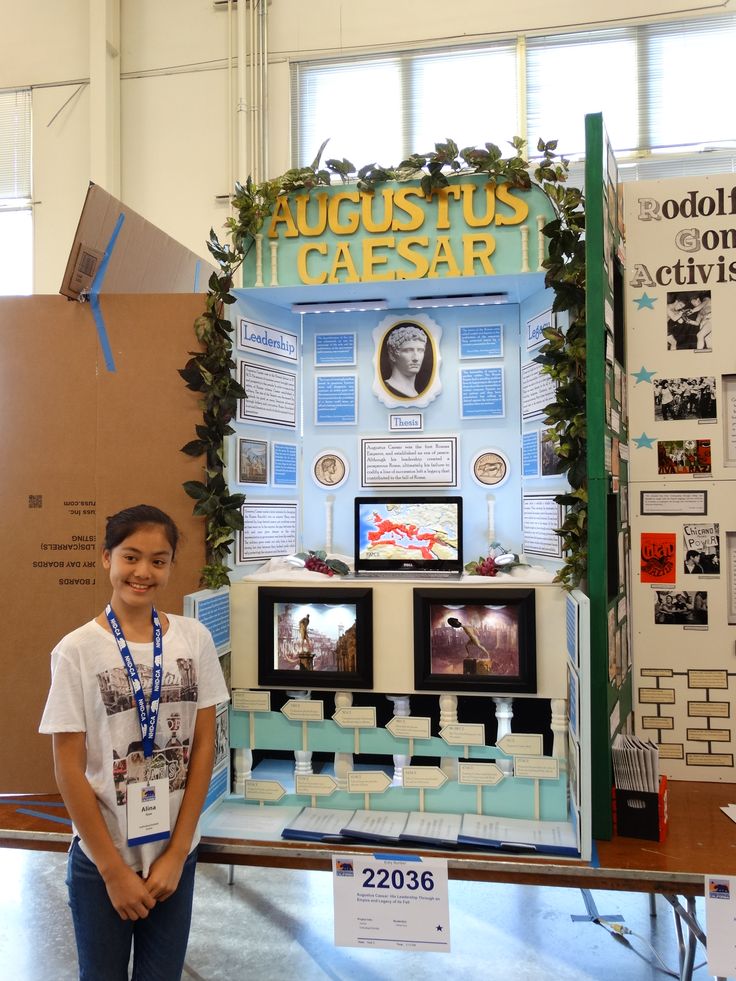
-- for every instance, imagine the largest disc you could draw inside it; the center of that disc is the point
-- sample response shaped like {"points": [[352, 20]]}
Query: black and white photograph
{"points": [[701, 549], [684, 398], [689, 320], [681, 607], [407, 361]]}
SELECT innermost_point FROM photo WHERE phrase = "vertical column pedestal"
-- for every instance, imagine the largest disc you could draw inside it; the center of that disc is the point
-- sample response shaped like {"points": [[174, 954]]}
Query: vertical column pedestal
{"points": [[504, 715], [343, 761], [448, 717], [302, 758], [402, 709]]}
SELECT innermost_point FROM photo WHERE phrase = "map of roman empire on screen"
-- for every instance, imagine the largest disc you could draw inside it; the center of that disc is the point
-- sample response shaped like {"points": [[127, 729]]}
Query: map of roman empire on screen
{"points": [[415, 531]]}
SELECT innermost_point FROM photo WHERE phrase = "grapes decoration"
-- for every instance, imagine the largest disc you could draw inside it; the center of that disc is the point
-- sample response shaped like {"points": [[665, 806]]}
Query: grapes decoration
{"points": [[499, 560], [317, 561]]}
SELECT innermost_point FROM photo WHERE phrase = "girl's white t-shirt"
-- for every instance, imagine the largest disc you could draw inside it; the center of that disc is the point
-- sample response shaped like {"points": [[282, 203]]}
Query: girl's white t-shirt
{"points": [[91, 692]]}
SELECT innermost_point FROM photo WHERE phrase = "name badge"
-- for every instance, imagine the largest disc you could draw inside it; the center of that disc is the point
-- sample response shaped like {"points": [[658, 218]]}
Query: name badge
{"points": [[148, 811]]}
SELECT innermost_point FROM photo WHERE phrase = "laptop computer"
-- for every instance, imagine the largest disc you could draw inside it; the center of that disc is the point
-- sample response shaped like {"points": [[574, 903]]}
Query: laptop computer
{"points": [[418, 537]]}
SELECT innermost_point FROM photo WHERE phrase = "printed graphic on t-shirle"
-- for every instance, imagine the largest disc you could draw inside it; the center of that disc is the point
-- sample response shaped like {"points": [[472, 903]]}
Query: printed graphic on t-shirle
{"points": [[178, 705]]}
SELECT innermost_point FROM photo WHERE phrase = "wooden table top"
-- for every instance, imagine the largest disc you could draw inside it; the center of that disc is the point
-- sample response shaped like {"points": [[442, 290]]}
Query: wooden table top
{"points": [[701, 841]]}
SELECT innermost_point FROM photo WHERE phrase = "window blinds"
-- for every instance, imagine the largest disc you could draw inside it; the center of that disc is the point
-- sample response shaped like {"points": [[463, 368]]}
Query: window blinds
{"points": [[15, 148], [663, 89]]}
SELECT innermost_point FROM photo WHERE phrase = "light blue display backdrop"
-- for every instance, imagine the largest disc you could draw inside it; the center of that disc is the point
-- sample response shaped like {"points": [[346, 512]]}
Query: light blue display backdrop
{"points": [[471, 340]]}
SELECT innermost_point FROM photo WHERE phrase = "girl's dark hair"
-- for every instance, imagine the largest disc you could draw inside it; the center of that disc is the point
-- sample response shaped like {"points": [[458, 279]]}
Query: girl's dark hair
{"points": [[126, 522]]}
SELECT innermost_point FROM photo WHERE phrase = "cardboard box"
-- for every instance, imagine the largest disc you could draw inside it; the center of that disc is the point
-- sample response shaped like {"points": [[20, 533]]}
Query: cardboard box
{"points": [[641, 815], [78, 443], [144, 259]]}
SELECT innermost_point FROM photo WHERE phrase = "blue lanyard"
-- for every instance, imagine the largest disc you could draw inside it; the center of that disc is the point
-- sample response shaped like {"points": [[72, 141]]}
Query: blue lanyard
{"points": [[148, 717]]}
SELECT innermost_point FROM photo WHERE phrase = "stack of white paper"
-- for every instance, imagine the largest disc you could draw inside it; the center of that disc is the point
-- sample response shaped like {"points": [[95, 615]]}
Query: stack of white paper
{"points": [[635, 764], [518, 834], [376, 825], [316, 824]]}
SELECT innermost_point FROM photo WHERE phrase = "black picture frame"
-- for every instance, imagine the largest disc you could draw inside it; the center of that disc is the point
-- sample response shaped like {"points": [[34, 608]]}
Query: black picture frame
{"points": [[326, 651], [497, 626]]}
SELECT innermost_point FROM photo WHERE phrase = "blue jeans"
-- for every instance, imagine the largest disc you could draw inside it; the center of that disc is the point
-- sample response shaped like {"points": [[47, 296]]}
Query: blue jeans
{"points": [[104, 941]]}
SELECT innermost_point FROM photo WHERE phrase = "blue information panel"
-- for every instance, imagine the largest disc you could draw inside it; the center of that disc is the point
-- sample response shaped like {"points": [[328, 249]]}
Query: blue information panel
{"points": [[334, 349], [214, 612], [483, 341], [336, 400], [481, 393], [283, 467], [530, 454]]}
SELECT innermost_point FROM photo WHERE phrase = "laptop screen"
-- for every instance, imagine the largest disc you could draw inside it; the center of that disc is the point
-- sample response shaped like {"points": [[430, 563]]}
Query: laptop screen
{"points": [[408, 534]]}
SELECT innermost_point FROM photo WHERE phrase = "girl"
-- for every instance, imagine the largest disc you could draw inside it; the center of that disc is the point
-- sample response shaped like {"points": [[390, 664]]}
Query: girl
{"points": [[132, 714]]}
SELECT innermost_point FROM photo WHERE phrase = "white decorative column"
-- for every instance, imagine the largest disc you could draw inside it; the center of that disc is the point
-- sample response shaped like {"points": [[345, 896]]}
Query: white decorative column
{"points": [[524, 249], [504, 715], [540, 241], [259, 260], [243, 768], [402, 709], [491, 504], [343, 761], [329, 515], [448, 717], [274, 263], [302, 757], [559, 731]]}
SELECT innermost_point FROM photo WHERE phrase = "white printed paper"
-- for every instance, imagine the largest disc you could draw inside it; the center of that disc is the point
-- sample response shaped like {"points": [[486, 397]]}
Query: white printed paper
{"points": [[394, 903], [720, 914]]}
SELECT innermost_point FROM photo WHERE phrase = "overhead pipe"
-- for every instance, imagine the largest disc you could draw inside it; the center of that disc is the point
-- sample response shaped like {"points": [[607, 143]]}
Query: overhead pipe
{"points": [[242, 103], [252, 74]]}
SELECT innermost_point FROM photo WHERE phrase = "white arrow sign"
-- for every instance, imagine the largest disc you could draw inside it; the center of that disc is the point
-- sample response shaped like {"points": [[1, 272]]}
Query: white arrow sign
{"points": [[316, 784], [537, 767], [410, 727], [368, 781], [424, 777], [356, 718], [521, 744], [464, 734], [304, 710], [251, 701], [487, 774], [270, 790]]}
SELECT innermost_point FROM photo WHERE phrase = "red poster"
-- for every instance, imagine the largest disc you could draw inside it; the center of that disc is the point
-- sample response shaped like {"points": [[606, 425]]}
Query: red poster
{"points": [[657, 557]]}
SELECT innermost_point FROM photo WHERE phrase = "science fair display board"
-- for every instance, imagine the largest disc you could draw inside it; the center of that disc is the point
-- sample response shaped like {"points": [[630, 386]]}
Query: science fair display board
{"points": [[331, 413], [373, 368], [680, 301]]}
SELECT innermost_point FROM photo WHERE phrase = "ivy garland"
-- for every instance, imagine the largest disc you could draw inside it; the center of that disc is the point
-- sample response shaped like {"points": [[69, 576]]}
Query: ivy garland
{"points": [[209, 371]]}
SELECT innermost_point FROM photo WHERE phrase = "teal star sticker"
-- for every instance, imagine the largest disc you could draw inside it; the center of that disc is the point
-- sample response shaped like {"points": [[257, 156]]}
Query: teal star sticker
{"points": [[644, 442], [642, 375], [645, 302]]}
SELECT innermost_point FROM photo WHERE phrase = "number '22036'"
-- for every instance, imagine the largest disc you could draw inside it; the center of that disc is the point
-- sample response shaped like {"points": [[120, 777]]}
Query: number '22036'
{"points": [[398, 879]]}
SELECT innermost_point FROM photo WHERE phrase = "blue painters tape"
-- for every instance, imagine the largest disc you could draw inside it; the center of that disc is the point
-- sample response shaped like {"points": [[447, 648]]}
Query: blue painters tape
{"points": [[585, 918], [197, 267], [24, 800], [388, 857], [47, 817], [94, 296]]}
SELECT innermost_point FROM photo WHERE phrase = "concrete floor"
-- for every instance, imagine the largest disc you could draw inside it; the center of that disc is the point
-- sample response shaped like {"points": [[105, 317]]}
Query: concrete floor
{"points": [[277, 924]]}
